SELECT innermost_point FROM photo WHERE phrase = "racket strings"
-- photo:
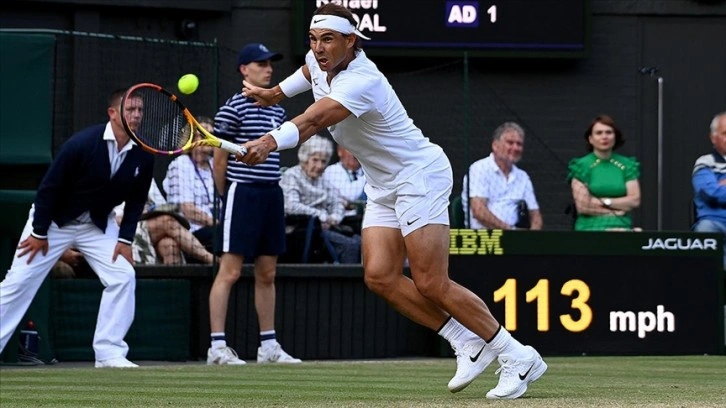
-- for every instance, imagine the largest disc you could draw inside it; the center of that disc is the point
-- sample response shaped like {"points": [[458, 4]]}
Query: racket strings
{"points": [[163, 126]]}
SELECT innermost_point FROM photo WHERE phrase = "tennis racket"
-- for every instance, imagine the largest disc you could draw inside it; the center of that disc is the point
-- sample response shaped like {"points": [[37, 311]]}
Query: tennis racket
{"points": [[166, 126]]}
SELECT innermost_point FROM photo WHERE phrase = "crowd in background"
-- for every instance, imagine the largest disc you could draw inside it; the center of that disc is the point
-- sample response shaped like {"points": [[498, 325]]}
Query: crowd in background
{"points": [[325, 202]]}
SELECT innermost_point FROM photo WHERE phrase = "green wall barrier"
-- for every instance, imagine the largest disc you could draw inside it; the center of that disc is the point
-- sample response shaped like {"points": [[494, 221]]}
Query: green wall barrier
{"points": [[26, 75]]}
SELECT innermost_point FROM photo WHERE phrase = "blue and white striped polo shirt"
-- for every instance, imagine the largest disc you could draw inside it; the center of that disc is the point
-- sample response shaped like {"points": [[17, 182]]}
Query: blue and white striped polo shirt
{"points": [[240, 121]]}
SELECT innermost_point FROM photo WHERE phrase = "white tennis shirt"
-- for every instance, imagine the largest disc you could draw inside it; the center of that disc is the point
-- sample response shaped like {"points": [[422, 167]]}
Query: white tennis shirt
{"points": [[379, 132]]}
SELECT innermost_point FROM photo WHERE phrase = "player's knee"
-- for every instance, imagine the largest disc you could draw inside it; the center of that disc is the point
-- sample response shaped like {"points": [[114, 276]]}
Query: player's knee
{"points": [[432, 287], [379, 281]]}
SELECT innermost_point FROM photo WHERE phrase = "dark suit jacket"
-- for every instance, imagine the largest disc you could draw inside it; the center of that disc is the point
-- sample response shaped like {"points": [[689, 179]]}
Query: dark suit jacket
{"points": [[79, 180]]}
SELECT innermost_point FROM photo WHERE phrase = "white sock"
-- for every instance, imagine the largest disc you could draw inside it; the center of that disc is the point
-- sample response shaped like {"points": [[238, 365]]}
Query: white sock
{"points": [[504, 343], [453, 331]]}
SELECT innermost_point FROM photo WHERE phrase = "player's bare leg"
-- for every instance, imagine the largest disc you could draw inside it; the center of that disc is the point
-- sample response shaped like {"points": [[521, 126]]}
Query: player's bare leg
{"points": [[428, 256], [384, 252], [428, 251]]}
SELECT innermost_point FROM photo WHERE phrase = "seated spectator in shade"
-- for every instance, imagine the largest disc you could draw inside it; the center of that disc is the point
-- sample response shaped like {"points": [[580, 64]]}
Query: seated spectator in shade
{"points": [[604, 184], [162, 234], [307, 193], [189, 182], [65, 267], [709, 183], [347, 177], [501, 194]]}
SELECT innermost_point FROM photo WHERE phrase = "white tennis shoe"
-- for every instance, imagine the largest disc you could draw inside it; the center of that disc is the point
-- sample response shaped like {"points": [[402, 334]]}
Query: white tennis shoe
{"points": [[118, 362], [223, 356], [516, 375], [275, 354], [472, 358]]}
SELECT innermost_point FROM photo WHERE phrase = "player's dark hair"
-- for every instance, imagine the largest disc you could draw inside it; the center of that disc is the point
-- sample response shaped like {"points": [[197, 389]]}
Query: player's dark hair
{"points": [[607, 121], [332, 9]]}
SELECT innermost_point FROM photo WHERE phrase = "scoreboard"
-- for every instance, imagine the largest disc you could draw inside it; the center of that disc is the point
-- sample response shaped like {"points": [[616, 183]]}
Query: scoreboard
{"points": [[598, 292], [509, 28]]}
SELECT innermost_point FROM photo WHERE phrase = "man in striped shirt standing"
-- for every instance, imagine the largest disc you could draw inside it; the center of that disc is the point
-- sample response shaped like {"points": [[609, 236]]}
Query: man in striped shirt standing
{"points": [[253, 217]]}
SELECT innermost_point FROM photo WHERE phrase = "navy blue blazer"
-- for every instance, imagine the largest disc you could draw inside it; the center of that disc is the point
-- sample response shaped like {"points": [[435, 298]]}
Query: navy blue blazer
{"points": [[79, 180]]}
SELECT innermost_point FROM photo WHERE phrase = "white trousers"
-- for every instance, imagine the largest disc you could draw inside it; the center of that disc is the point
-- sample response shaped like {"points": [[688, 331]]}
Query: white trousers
{"points": [[118, 301]]}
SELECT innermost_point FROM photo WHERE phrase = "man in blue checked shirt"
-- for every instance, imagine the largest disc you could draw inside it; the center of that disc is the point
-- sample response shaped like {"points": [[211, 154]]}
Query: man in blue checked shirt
{"points": [[709, 183]]}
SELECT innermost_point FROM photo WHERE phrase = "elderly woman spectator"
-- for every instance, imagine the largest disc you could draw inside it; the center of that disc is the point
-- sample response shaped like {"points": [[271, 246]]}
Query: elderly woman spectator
{"points": [[307, 193], [604, 184]]}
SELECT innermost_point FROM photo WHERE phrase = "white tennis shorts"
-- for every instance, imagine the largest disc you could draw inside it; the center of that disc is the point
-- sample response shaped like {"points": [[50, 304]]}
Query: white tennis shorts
{"points": [[420, 200]]}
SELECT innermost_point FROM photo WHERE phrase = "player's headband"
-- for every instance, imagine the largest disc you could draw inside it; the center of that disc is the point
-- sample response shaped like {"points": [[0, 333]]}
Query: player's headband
{"points": [[335, 23]]}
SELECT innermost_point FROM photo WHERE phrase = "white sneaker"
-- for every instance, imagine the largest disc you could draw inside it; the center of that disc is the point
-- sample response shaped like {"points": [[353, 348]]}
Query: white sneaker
{"points": [[275, 354], [118, 362], [472, 358], [223, 356], [516, 375]]}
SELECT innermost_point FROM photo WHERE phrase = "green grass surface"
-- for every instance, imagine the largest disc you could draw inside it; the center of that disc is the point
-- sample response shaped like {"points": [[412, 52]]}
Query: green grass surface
{"points": [[687, 381]]}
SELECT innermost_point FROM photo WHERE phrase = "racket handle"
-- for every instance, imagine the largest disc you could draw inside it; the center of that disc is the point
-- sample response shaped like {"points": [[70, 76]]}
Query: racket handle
{"points": [[232, 148]]}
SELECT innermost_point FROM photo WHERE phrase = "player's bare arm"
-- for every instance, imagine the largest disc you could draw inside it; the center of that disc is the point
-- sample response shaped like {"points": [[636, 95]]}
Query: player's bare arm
{"points": [[323, 113], [268, 96], [263, 96]]}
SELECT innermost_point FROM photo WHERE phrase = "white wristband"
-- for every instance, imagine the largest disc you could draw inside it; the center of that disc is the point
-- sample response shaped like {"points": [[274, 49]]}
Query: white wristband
{"points": [[286, 136], [295, 84]]}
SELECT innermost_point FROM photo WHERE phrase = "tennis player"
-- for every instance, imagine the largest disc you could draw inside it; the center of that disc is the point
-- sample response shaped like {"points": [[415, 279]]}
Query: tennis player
{"points": [[95, 170], [409, 183]]}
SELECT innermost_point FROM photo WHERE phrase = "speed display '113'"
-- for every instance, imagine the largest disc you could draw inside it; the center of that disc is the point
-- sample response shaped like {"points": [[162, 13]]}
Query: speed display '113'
{"points": [[507, 28]]}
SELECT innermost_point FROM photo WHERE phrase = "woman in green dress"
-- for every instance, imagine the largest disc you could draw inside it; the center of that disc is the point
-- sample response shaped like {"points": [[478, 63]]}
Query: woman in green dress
{"points": [[604, 184]]}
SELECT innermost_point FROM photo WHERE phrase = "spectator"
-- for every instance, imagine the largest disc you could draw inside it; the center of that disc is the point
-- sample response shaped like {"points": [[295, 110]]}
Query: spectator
{"points": [[253, 216], [65, 267], [95, 170], [307, 193], [190, 184], [709, 183], [604, 184], [162, 234], [502, 195], [347, 176]]}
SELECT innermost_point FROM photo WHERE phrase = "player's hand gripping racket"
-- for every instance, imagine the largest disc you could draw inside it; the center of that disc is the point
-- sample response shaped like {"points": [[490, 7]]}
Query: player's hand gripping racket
{"points": [[166, 126]]}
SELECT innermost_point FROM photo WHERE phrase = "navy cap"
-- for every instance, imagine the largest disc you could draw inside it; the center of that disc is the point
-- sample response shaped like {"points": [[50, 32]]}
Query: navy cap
{"points": [[256, 52]]}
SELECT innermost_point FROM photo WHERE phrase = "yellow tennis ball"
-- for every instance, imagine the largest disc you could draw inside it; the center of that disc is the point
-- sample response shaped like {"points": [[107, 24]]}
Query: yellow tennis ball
{"points": [[188, 84]]}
